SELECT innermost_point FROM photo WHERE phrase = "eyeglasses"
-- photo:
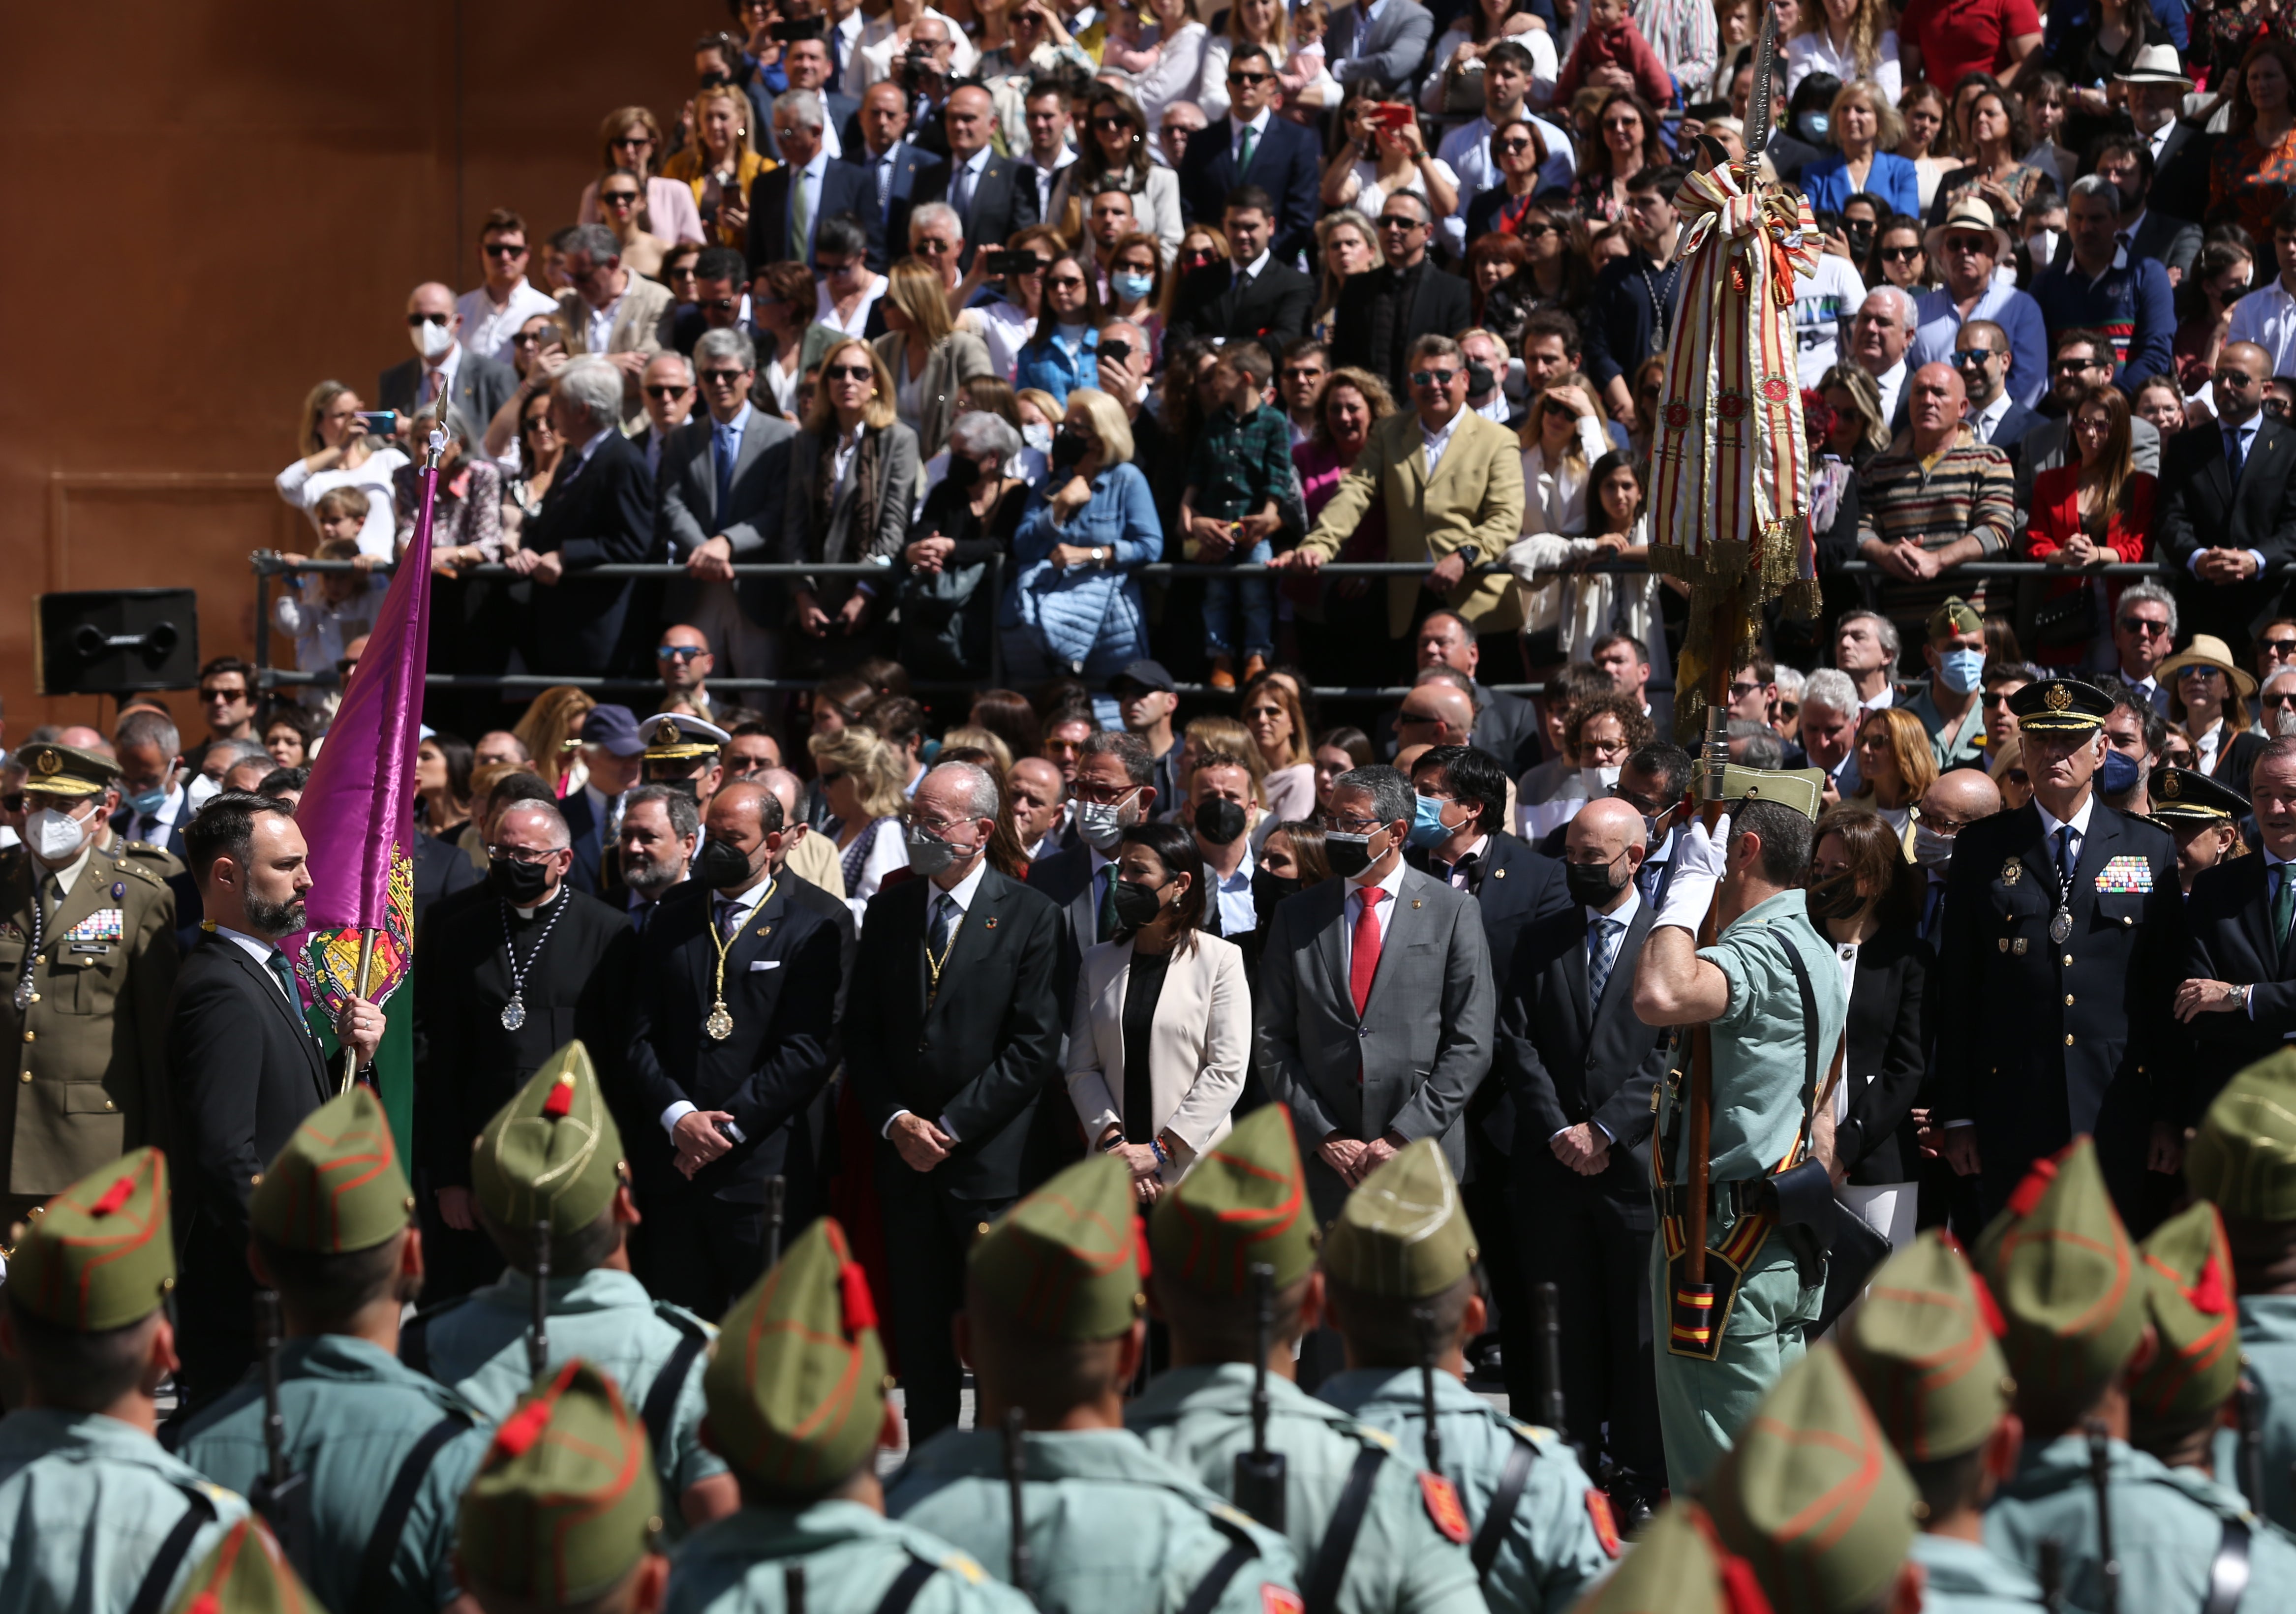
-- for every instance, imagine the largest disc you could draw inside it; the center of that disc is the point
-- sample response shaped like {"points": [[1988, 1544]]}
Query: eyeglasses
{"points": [[1181, 131], [2239, 381], [939, 827], [724, 305], [1634, 124], [520, 853], [723, 378], [663, 394], [1110, 123], [1510, 147], [631, 142], [680, 652], [1066, 283], [2184, 673], [2143, 628], [837, 271], [1433, 378], [1969, 243], [1358, 825], [932, 244], [227, 697], [1739, 691], [2277, 648], [846, 372], [2286, 697], [1400, 221], [1277, 711], [504, 248], [1993, 699], [617, 198], [531, 338], [441, 320]]}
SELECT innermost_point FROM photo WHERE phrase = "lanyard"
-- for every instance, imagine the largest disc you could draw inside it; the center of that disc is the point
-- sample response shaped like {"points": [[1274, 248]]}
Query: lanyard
{"points": [[720, 1023]]}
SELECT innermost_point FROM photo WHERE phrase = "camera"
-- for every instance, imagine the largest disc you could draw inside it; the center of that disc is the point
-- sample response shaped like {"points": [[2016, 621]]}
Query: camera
{"points": [[1019, 261], [915, 71], [801, 27], [380, 423], [1116, 352]]}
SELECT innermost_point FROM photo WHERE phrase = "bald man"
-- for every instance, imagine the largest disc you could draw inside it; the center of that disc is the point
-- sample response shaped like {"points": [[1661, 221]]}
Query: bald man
{"points": [[1931, 501], [442, 367], [1040, 806], [1954, 801], [1580, 1068], [819, 880], [1437, 712]]}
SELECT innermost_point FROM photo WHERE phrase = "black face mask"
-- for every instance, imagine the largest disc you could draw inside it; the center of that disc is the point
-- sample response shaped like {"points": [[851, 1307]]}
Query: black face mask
{"points": [[1592, 884], [963, 473], [1835, 899], [1136, 905], [722, 865], [1219, 820], [1351, 855], [1069, 448], [519, 884], [1268, 889]]}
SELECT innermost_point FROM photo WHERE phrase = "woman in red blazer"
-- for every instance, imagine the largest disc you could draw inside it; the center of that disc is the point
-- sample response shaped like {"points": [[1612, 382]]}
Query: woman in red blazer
{"points": [[2093, 512]]}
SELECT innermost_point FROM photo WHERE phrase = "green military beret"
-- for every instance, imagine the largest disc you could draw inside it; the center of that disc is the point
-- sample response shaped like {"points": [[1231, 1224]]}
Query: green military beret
{"points": [[99, 1255], [1924, 1347], [796, 1382], [565, 1503], [552, 1153], [2190, 1302], [337, 1186], [1402, 1232], [1065, 1262], [2243, 1158], [65, 770], [246, 1574], [1812, 1496], [2065, 1275], [1244, 1204], [1678, 1566]]}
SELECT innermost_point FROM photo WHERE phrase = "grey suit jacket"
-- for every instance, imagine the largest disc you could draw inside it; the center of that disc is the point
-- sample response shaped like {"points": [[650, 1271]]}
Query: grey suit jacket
{"points": [[482, 386], [1394, 50], [687, 516], [1409, 1064]]}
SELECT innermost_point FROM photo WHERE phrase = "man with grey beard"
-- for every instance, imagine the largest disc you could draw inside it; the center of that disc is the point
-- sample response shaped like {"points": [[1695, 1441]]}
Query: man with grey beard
{"points": [[661, 828], [2277, 702]]}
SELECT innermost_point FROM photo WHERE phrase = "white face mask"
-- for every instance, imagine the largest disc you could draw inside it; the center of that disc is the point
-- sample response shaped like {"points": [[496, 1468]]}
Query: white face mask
{"points": [[432, 340], [1038, 436], [2041, 247], [1599, 781], [56, 837], [196, 794]]}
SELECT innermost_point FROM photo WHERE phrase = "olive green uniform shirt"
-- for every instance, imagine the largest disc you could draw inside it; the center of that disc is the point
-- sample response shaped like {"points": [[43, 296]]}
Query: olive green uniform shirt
{"points": [[846, 1558]]}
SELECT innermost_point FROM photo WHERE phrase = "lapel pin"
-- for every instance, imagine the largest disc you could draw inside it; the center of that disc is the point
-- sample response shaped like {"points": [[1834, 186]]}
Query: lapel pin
{"points": [[1417, 903], [989, 924], [765, 929], [1498, 873], [119, 890], [2004, 944]]}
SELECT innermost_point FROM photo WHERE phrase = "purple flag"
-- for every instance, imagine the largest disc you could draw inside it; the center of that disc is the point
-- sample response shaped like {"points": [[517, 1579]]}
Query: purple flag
{"points": [[358, 813]]}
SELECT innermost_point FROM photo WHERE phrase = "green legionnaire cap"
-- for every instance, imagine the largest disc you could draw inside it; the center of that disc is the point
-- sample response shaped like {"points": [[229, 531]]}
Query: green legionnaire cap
{"points": [[1244, 1204], [552, 1153], [337, 1187], [2191, 1303], [65, 770], [796, 1382], [99, 1255], [1678, 1566], [2182, 796], [2065, 706], [565, 1503], [1403, 1233], [1066, 1261], [1924, 1349], [1800, 788], [2061, 1269], [246, 1574], [2244, 1157], [1812, 1495], [1953, 618], [677, 737]]}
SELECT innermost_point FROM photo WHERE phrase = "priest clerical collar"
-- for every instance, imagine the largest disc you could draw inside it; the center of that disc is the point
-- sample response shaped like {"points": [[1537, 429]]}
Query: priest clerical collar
{"points": [[546, 902]]}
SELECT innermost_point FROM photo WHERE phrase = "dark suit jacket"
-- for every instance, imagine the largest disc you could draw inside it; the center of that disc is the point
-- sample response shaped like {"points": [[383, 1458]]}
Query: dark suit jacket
{"points": [[2199, 508], [1888, 1046], [781, 976], [441, 869], [1272, 307], [687, 515], [1003, 201], [842, 190], [1506, 726], [188, 904], [2231, 917], [587, 876], [1564, 1060], [1287, 164], [2180, 173], [981, 1051], [1441, 304], [603, 516], [1065, 880], [482, 386], [2013, 426], [2174, 242], [911, 167]]}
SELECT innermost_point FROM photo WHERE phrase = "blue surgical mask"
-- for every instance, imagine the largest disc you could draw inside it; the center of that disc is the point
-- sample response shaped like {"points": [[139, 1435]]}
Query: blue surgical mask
{"points": [[145, 803], [1131, 288], [1427, 826], [2119, 773], [1960, 669]]}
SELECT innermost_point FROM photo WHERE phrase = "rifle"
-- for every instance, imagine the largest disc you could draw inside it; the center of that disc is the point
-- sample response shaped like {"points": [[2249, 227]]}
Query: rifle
{"points": [[2100, 1477], [776, 1196], [1546, 1323], [2251, 1443], [538, 1341], [1432, 1443], [282, 1495], [1261, 1475], [2053, 1575], [1016, 1424]]}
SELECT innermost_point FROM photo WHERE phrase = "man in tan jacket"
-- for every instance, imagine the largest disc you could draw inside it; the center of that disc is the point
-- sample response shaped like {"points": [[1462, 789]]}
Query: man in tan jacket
{"points": [[1453, 485], [614, 312]]}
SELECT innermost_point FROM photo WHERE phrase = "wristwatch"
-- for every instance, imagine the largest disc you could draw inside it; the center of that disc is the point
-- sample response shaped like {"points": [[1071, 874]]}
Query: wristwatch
{"points": [[1102, 555], [2242, 994]]}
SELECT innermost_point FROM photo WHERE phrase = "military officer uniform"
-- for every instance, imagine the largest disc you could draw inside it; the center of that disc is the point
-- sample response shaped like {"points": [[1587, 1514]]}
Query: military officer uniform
{"points": [[2059, 962], [1395, 1539], [799, 1409], [385, 1451], [1772, 1044], [100, 1519], [680, 750], [553, 1154], [2073, 1291], [565, 1510], [87, 966], [1112, 1528], [246, 1574], [1539, 1532]]}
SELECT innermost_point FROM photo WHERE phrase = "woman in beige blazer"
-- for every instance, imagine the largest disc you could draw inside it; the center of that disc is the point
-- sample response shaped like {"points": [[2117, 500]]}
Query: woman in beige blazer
{"points": [[930, 358], [1162, 1026]]}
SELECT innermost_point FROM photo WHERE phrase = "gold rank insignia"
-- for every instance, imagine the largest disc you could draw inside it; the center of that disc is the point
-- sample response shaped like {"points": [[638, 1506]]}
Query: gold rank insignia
{"points": [[2171, 786], [45, 762], [2058, 698], [2012, 871]]}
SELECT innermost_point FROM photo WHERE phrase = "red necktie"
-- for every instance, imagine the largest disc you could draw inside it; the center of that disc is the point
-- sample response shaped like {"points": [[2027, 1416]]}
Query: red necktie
{"points": [[1363, 956]]}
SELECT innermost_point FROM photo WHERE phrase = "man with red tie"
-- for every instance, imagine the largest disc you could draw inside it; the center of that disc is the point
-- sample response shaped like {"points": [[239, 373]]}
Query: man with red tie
{"points": [[1375, 1000]]}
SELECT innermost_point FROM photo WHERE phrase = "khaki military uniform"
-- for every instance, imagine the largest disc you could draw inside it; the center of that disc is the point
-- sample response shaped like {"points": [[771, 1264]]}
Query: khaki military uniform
{"points": [[831, 1556]]}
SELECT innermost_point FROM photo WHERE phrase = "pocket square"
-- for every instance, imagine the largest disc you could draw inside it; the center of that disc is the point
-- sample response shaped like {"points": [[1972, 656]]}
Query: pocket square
{"points": [[763, 964]]}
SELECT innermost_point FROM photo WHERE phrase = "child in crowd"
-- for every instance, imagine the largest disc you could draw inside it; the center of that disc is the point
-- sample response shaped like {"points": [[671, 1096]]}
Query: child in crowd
{"points": [[1239, 473], [325, 610], [1612, 39]]}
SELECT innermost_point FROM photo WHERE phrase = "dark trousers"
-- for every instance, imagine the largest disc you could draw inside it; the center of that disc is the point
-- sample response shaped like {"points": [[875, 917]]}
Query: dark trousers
{"points": [[702, 1252], [928, 1233], [1595, 1248], [215, 1317], [455, 1260], [1491, 1212]]}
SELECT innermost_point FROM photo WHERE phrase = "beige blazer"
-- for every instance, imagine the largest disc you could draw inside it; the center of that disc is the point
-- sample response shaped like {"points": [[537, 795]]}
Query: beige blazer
{"points": [[1198, 1047], [961, 357], [641, 325]]}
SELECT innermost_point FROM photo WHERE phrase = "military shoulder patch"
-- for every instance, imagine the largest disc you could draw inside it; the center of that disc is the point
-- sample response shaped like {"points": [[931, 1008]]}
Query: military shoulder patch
{"points": [[1443, 1506], [1605, 1522]]}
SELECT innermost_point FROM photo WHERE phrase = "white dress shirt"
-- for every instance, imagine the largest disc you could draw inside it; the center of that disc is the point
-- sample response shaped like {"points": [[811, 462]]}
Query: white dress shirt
{"points": [[739, 909], [965, 180], [261, 951], [2267, 317], [1433, 443], [487, 329], [1987, 420], [1351, 910], [2051, 825], [449, 365], [961, 893]]}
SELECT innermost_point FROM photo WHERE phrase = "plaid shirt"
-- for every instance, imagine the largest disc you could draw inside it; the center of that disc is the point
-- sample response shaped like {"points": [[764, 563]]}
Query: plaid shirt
{"points": [[1240, 466], [1965, 492], [1684, 34]]}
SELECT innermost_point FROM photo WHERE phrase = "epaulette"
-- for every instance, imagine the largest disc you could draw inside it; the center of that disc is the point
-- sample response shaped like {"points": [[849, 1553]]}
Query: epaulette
{"points": [[141, 873], [1379, 1437]]}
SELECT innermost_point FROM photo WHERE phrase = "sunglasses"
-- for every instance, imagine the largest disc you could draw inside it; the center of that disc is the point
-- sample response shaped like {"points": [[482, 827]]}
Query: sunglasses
{"points": [[2278, 647], [662, 395], [617, 198], [1066, 283], [2239, 381], [1110, 123], [2074, 366], [440, 320], [724, 377], [1973, 356], [1248, 78], [680, 652], [503, 249], [2284, 698], [1433, 378], [229, 697], [1510, 147], [1899, 255], [532, 339], [1400, 221], [846, 372], [2144, 629], [630, 142], [1307, 372]]}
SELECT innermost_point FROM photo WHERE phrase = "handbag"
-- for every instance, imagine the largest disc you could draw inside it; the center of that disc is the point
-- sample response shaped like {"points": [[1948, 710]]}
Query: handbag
{"points": [[944, 623]]}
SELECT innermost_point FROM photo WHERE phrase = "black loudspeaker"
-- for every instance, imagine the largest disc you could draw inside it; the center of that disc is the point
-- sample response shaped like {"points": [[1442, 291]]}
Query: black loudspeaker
{"points": [[112, 641]]}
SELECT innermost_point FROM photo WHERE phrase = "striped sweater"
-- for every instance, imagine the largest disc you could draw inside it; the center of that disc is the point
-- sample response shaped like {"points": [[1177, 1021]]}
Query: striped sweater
{"points": [[1967, 491]]}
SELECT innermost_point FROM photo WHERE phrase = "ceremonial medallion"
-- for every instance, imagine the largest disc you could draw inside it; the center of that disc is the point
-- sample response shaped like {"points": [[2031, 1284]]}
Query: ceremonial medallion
{"points": [[720, 1024], [2061, 926], [2012, 871], [513, 1014], [24, 992]]}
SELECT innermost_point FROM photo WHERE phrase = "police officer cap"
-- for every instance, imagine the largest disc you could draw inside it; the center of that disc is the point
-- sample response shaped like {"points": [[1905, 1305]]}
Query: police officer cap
{"points": [[65, 770], [678, 737], [2190, 1302], [1065, 1262], [246, 1574], [2244, 1157], [565, 1503], [2183, 796], [2065, 706], [2066, 1277], [552, 1153], [1403, 1233], [1924, 1347], [99, 1255], [796, 1385], [1812, 1496], [1244, 1204], [337, 1186]]}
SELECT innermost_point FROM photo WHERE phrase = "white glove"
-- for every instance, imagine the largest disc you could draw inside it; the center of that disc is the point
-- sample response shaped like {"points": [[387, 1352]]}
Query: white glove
{"points": [[1696, 870]]}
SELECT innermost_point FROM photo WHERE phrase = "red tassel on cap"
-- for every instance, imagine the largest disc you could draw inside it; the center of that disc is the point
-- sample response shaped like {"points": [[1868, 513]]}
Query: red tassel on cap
{"points": [[561, 1097], [522, 1429], [2209, 1293], [1140, 1245], [1988, 1308], [114, 1197], [1740, 1590], [860, 1306], [2029, 1192], [206, 1603]]}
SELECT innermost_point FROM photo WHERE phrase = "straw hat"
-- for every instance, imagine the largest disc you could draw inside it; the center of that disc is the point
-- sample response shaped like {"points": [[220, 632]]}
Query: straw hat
{"points": [[1970, 213], [2156, 64], [2206, 650]]}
